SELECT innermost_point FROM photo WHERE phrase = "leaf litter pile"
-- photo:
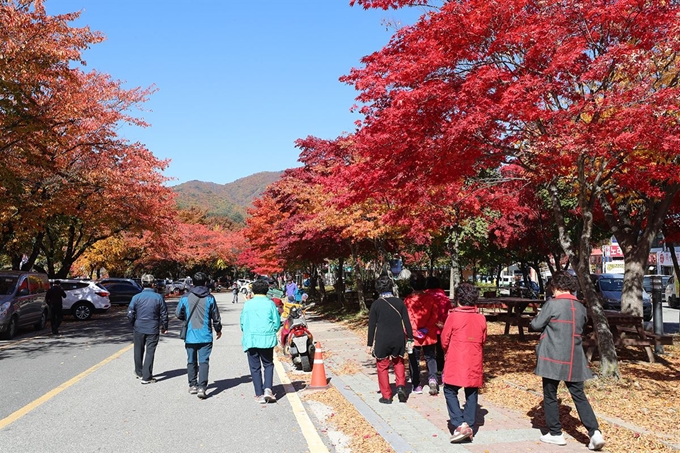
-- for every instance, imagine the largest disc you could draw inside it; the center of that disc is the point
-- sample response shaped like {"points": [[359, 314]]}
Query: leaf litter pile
{"points": [[640, 412]]}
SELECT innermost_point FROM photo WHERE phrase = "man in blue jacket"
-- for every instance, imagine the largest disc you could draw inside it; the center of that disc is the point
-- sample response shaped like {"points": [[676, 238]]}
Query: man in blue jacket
{"points": [[148, 314], [200, 310]]}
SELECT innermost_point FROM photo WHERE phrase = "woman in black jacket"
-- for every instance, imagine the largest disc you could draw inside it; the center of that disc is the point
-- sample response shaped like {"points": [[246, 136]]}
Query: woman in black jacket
{"points": [[388, 328]]}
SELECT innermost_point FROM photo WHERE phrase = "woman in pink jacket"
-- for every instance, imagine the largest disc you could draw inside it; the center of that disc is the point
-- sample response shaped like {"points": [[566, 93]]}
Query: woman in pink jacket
{"points": [[463, 337], [422, 310]]}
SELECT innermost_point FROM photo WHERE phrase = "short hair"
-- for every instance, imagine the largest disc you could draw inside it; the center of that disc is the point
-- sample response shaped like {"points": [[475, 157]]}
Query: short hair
{"points": [[200, 279], [147, 280], [383, 284], [57, 282], [432, 283], [564, 281], [260, 287], [466, 294], [417, 281]]}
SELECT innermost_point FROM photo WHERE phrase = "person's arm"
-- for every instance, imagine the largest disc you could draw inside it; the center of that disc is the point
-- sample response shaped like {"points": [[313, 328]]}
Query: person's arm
{"points": [[132, 311], [372, 323], [446, 332], [407, 323], [216, 318], [180, 311], [542, 319], [164, 315]]}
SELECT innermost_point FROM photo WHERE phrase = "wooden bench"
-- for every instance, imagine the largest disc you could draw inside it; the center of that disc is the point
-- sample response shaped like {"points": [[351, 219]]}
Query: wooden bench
{"points": [[627, 330]]}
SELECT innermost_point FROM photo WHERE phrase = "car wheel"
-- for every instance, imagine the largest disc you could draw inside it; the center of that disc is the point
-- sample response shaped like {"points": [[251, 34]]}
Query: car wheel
{"points": [[11, 329], [40, 325], [82, 311], [244, 290]]}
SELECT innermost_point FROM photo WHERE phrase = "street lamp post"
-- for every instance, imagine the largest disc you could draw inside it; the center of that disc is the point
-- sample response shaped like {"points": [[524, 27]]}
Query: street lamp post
{"points": [[657, 287]]}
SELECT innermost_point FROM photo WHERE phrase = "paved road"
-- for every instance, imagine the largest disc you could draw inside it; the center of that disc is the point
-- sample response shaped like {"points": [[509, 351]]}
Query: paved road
{"points": [[78, 393]]}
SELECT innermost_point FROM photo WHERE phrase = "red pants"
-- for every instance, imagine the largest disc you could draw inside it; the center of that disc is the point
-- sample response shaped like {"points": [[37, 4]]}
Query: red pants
{"points": [[383, 367]]}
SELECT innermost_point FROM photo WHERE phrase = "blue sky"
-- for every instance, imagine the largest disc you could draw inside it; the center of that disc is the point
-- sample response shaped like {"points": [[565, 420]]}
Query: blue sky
{"points": [[238, 81]]}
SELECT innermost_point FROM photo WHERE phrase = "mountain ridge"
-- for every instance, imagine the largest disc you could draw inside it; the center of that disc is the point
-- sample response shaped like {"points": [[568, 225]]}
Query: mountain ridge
{"points": [[227, 200]]}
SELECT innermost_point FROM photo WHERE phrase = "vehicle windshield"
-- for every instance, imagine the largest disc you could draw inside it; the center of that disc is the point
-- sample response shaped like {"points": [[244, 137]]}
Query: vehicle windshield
{"points": [[611, 284], [7, 285]]}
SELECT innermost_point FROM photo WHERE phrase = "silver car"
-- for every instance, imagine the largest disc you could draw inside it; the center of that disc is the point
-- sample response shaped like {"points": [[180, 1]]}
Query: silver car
{"points": [[22, 301]]}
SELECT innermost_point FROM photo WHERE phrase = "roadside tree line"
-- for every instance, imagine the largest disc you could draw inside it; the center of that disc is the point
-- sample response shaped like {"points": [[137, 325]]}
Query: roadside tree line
{"points": [[537, 127], [75, 197]]}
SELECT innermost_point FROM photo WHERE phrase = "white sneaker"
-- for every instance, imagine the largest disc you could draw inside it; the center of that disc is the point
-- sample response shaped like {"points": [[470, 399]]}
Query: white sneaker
{"points": [[555, 440], [269, 396], [596, 441]]}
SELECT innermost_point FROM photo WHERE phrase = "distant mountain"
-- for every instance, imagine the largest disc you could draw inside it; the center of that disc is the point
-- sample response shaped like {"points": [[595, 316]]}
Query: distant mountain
{"points": [[230, 200]]}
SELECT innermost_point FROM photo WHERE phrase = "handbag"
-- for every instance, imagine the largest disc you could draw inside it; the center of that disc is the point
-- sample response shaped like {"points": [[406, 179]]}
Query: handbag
{"points": [[185, 325]]}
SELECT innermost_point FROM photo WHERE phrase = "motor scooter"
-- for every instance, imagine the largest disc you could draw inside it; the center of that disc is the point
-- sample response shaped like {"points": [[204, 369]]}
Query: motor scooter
{"points": [[296, 339]]}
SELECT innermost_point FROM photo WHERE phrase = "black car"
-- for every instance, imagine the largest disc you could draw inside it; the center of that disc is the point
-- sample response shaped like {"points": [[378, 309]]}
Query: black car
{"points": [[120, 291]]}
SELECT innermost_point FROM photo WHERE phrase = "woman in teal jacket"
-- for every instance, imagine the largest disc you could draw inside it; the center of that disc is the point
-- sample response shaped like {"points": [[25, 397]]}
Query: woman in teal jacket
{"points": [[260, 320]]}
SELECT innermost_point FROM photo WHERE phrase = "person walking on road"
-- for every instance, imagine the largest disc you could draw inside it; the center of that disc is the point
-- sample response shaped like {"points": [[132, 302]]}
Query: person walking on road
{"points": [[260, 320], [148, 314], [388, 329], [55, 299], [463, 337], [234, 289], [422, 310], [199, 309], [560, 357]]}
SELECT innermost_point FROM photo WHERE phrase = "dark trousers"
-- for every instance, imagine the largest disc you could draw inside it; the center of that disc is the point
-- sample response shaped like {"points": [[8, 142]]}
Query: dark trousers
{"points": [[145, 350], [198, 363], [56, 315], [383, 367], [430, 360], [552, 410], [259, 358], [456, 415], [440, 355]]}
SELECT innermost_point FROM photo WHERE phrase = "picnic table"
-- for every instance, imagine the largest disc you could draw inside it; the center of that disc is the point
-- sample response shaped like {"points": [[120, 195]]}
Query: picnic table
{"points": [[627, 330], [511, 310]]}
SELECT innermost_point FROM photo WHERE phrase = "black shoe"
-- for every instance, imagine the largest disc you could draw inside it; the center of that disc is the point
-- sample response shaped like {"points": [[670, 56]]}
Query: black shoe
{"points": [[385, 400], [401, 394]]}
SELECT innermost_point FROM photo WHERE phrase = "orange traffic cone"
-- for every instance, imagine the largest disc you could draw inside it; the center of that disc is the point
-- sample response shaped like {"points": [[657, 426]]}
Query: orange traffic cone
{"points": [[319, 380]]}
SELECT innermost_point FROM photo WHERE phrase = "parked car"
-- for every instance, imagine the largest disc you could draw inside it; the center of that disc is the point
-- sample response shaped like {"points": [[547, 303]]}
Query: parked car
{"points": [[161, 286], [243, 285], [120, 290], [22, 301], [132, 281], [84, 297], [179, 286], [610, 289]]}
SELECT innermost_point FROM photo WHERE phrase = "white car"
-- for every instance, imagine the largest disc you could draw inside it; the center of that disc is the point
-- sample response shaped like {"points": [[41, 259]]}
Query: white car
{"points": [[84, 297], [243, 285]]}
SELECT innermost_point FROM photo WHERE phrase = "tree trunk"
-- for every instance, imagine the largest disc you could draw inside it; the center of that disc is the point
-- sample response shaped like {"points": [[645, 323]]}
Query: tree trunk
{"points": [[359, 277], [579, 257], [453, 248], [340, 282]]}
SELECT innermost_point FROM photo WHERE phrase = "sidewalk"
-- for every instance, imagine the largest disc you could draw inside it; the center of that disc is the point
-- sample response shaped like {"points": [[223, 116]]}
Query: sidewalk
{"points": [[420, 425]]}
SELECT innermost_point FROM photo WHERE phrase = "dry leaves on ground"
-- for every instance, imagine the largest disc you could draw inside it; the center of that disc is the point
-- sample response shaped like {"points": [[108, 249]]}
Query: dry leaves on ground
{"points": [[645, 399]]}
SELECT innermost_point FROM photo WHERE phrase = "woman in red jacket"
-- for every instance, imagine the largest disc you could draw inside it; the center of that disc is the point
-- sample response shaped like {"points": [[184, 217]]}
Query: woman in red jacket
{"points": [[463, 336], [422, 310]]}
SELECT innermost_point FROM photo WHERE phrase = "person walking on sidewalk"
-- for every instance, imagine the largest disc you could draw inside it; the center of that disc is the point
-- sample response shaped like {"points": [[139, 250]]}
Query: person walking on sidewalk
{"points": [[463, 338], [423, 312], [148, 314], [388, 323], [260, 320], [560, 357], [55, 299], [433, 288], [202, 315]]}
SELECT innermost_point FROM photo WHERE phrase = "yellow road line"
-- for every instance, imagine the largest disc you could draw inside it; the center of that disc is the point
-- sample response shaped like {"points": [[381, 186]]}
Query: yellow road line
{"points": [[314, 441], [52, 393]]}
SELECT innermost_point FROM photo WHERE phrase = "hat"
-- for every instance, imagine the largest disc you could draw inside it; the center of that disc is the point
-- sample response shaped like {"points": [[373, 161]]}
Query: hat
{"points": [[147, 278]]}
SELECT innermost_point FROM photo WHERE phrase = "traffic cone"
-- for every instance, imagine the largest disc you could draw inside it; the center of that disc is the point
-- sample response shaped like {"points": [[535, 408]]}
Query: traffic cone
{"points": [[319, 380]]}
